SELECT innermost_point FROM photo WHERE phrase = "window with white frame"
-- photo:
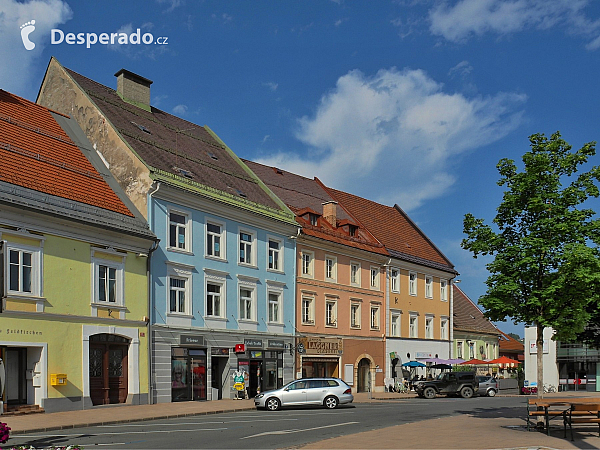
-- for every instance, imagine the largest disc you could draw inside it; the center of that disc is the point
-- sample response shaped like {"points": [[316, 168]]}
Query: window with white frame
{"points": [[487, 350], [355, 314], [459, 349], [108, 281], [493, 355], [413, 326], [179, 235], [375, 317], [395, 280], [355, 273], [331, 313], [412, 283], [178, 295], [246, 255], [308, 311], [214, 299], [331, 268], [275, 255], [215, 240], [307, 263], [247, 303], [374, 277], [23, 266], [395, 324], [428, 286], [444, 328], [444, 290], [428, 327], [274, 307], [471, 350]]}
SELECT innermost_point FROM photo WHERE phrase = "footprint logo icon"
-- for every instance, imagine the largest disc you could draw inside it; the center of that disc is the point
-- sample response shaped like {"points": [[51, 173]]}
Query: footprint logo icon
{"points": [[26, 29]]}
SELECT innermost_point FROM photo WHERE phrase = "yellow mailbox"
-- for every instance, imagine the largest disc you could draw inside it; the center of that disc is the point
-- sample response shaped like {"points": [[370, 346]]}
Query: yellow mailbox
{"points": [[58, 379]]}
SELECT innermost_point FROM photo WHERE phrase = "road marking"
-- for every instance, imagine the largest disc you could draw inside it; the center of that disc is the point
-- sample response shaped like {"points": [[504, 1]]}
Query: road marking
{"points": [[190, 423], [266, 433], [89, 435]]}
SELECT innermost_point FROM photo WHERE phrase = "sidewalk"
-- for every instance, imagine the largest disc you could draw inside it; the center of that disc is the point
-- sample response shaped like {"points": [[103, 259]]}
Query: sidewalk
{"points": [[483, 429]]}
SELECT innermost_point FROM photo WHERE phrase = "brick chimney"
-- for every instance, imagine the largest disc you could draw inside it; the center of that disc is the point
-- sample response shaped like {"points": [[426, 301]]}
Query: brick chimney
{"points": [[330, 213], [134, 89]]}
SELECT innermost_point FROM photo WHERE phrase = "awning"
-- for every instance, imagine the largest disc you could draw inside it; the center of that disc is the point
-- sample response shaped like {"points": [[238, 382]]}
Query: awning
{"points": [[318, 359]]}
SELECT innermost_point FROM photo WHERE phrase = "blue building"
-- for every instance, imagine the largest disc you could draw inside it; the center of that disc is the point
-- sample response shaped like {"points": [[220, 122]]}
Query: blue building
{"points": [[222, 278]]}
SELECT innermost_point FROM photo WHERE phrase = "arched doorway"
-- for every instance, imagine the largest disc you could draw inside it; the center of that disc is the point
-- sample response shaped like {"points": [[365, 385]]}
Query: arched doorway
{"points": [[364, 375], [108, 368]]}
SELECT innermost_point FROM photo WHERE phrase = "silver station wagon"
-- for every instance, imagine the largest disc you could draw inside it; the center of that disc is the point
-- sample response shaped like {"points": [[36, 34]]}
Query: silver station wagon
{"points": [[327, 392]]}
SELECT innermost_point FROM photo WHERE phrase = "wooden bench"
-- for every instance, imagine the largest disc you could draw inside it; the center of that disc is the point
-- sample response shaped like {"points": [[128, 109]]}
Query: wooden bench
{"points": [[581, 413], [542, 408]]}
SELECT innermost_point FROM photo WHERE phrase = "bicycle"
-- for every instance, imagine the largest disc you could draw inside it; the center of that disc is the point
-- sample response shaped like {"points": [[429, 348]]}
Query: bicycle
{"points": [[548, 389], [401, 388]]}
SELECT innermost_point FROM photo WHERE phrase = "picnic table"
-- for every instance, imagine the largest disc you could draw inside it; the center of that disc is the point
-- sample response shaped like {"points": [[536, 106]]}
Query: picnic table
{"points": [[571, 410]]}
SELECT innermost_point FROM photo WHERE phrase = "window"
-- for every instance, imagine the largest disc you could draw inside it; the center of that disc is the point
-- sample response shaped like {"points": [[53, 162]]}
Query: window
{"points": [[313, 219], [330, 268], [215, 245], [246, 251], [487, 351], [179, 237], [22, 267], [374, 277], [444, 328], [413, 328], [375, 317], [274, 307], [275, 256], [308, 317], [20, 271], [444, 290], [355, 315], [246, 304], [395, 280], [429, 327], [177, 295], [213, 299], [355, 274], [395, 325], [331, 313], [307, 263], [428, 286], [459, 349], [108, 282], [471, 350], [412, 283]]}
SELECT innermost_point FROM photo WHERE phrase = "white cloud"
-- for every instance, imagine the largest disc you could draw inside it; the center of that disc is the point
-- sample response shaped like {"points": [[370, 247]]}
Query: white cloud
{"points": [[172, 5], [180, 110], [461, 20], [48, 14], [390, 137], [462, 69], [271, 85]]}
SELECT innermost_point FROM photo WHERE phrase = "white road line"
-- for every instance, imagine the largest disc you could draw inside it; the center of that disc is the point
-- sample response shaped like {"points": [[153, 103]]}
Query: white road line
{"points": [[90, 435], [299, 431], [190, 423]]}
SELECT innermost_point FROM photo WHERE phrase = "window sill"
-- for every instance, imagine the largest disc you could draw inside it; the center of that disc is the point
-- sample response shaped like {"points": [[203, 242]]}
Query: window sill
{"points": [[29, 297], [306, 275], [276, 271], [248, 265], [330, 326], [375, 329], [394, 292], [180, 250], [109, 305], [219, 318], [215, 258], [249, 321], [355, 327], [309, 324], [275, 324], [355, 285], [176, 314]]}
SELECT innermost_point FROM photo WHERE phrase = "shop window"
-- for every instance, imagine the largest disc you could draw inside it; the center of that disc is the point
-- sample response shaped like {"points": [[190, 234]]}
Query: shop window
{"points": [[188, 374]]}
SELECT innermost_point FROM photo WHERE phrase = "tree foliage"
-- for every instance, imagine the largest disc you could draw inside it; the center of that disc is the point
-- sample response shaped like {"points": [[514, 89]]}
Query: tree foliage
{"points": [[546, 266]]}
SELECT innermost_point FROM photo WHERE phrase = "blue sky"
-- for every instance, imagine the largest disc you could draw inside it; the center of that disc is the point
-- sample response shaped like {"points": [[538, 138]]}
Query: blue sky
{"points": [[407, 101]]}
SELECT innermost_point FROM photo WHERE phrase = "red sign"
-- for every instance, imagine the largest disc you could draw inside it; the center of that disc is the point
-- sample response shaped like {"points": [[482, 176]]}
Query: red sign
{"points": [[240, 348]]}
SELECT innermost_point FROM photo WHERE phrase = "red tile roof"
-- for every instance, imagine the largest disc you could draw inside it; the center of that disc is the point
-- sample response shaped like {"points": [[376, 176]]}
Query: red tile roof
{"points": [[509, 344], [392, 227], [36, 153], [468, 317]]}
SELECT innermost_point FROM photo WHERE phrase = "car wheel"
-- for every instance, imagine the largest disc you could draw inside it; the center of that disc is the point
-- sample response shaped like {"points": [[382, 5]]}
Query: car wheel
{"points": [[429, 393], [330, 402], [273, 404], [491, 393], [466, 392]]}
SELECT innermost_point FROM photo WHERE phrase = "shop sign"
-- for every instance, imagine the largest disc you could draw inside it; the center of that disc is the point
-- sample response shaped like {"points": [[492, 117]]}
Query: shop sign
{"points": [[18, 331], [279, 345], [191, 340], [219, 351], [423, 355], [253, 343], [323, 346], [256, 354], [533, 347], [240, 348]]}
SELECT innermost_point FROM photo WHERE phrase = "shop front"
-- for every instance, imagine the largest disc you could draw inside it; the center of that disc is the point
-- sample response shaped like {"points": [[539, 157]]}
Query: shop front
{"points": [[188, 369], [320, 357], [263, 363]]}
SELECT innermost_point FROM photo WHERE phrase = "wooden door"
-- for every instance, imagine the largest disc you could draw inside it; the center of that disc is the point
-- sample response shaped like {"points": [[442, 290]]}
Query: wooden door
{"points": [[108, 373]]}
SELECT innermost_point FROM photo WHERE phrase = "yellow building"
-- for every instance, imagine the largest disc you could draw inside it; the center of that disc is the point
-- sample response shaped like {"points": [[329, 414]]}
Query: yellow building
{"points": [[73, 259]]}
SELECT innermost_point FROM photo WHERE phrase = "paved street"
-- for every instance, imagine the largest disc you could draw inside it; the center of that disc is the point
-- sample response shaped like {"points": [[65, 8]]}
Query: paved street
{"points": [[263, 429]]}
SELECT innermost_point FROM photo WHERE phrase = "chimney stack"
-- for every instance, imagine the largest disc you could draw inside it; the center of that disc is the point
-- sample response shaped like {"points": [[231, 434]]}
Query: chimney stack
{"points": [[134, 89], [330, 213]]}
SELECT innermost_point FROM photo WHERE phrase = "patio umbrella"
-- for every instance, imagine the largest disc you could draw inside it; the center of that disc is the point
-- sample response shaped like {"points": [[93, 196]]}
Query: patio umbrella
{"points": [[442, 366], [413, 364], [475, 362], [504, 361]]}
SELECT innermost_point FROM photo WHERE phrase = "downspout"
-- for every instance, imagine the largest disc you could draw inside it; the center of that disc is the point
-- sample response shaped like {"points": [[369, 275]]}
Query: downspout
{"points": [[150, 295], [387, 322], [451, 319]]}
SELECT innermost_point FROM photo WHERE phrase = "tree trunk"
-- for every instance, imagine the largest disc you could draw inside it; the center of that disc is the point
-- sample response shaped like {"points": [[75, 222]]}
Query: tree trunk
{"points": [[539, 341]]}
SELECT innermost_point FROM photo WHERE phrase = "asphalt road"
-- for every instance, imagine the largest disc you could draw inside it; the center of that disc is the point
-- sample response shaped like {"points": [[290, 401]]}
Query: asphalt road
{"points": [[264, 429]]}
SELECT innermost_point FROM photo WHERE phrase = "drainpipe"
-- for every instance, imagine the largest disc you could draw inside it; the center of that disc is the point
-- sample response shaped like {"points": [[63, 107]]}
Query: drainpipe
{"points": [[150, 294], [386, 355], [451, 286]]}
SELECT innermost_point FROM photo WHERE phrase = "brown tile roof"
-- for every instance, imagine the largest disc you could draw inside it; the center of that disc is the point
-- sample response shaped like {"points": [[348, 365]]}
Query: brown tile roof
{"points": [[392, 227], [304, 195], [468, 317], [36, 153], [168, 143], [509, 344]]}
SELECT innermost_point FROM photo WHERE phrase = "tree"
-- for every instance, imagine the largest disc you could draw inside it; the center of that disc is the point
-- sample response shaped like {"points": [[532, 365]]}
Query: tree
{"points": [[546, 263], [516, 337]]}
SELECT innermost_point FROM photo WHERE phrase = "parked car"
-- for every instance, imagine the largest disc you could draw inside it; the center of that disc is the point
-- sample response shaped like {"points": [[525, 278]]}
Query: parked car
{"points": [[328, 392], [449, 383], [488, 385]]}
